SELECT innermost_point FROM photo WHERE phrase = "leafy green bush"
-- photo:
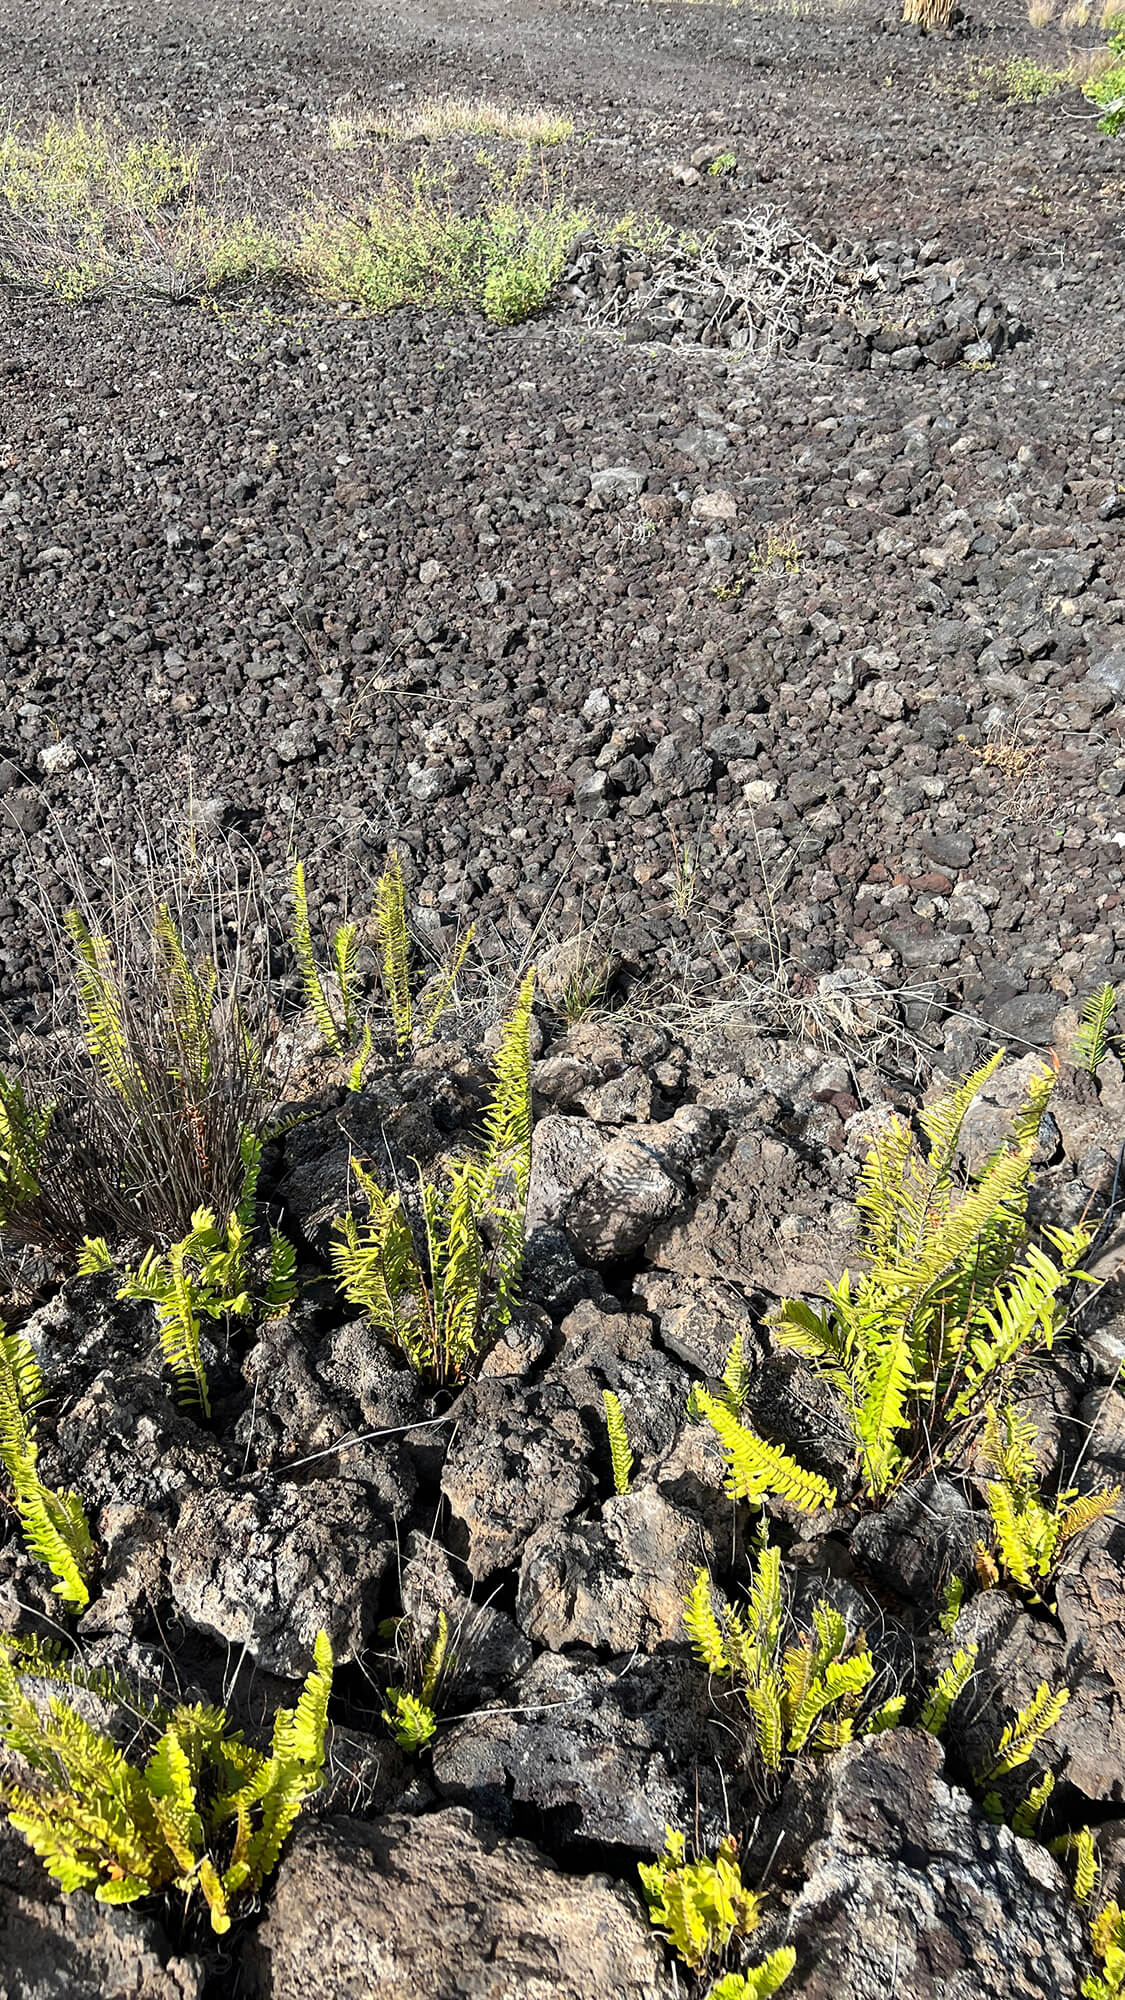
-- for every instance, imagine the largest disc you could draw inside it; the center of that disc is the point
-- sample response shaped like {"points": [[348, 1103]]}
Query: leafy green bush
{"points": [[205, 1811], [442, 1309], [702, 1905], [1108, 90], [953, 1292]]}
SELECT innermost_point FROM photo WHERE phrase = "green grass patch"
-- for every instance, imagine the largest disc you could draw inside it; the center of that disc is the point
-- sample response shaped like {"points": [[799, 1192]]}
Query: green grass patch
{"points": [[87, 212]]}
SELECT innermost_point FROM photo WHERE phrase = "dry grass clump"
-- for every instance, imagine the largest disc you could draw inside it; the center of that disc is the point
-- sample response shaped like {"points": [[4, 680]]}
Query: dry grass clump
{"points": [[1041, 13], [434, 118]]}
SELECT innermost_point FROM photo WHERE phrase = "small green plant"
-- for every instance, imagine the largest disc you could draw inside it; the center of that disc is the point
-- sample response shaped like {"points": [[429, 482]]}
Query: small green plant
{"points": [[339, 1034], [953, 1598], [724, 164], [148, 1121], [1030, 1533], [442, 1310], [756, 1469], [339, 1025], [1091, 1042], [700, 1906], [411, 1716], [953, 1291], [206, 1274], [1107, 1942], [621, 1458], [803, 1695], [206, 1811], [1079, 1850], [54, 1525], [1019, 1741], [1107, 91]]}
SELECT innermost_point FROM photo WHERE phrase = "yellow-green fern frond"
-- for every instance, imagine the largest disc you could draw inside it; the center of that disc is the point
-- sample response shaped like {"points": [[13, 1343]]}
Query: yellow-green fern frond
{"points": [[345, 945], [1022, 1737], [755, 1468], [409, 1720], [951, 1684], [1025, 1818], [621, 1458], [736, 1375], [1091, 1042], [304, 952], [394, 947], [1085, 1510], [760, 1982], [703, 1627], [100, 1002]]}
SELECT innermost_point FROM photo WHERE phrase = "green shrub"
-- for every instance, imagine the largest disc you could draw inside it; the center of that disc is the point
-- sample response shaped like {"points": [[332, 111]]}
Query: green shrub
{"points": [[205, 1811]]}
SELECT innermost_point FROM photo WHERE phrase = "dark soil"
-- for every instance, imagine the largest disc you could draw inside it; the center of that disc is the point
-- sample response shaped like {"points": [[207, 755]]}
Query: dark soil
{"points": [[502, 598]]}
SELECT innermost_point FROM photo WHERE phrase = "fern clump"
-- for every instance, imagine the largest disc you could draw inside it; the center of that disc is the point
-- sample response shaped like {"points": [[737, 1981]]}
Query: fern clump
{"points": [[442, 1309], [411, 1713], [205, 1811], [338, 1020], [953, 1290], [805, 1690], [143, 1121], [54, 1525], [1030, 1533], [205, 1275], [1107, 1942], [699, 1905]]}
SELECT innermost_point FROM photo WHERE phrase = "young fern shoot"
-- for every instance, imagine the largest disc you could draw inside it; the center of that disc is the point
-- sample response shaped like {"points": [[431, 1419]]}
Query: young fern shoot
{"points": [[1030, 1534], [621, 1458]]}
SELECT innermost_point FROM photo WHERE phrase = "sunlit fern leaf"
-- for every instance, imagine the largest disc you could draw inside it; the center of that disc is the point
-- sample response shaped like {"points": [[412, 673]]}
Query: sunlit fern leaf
{"points": [[736, 1375], [100, 1002], [621, 1458], [703, 1627], [304, 952], [394, 947], [1085, 1510], [950, 1686], [409, 1720], [189, 1000], [437, 1661], [442, 995], [942, 1121], [1025, 1818], [53, 1524], [1023, 1736], [755, 1468], [762, 1980], [345, 944], [887, 1716], [24, 1128], [1091, 1041]]}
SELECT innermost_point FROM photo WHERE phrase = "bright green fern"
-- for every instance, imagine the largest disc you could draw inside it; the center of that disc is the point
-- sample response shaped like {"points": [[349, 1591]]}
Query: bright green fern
{"points": [[394, 948], [1030, 1533], [804, 1694], [338, 1033], [755, 1468], [54, 1525], [760, 1982], [206, 1811], [698, 1905], [445, 1307], [1091, 1041], [950, 1686], [953, 1291]]}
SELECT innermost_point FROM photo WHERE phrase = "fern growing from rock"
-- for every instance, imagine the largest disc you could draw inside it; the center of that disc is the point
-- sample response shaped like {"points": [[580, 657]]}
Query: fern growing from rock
{"points": [[804, 1690], [445, 1307], [54, 1524], [953, 1290], [205, 1811], [1030, 1534]]}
